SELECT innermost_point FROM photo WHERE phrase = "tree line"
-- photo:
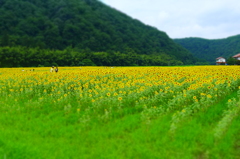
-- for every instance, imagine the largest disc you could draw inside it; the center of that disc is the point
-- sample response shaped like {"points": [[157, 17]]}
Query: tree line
{"points": [[35, 57]]}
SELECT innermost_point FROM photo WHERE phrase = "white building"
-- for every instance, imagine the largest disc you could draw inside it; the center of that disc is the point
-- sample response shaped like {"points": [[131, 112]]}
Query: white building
{"points": [[220, 60], [237, 57]]}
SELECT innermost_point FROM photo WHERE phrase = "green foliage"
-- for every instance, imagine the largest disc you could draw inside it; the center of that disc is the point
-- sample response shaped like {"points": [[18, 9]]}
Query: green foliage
{"points": [[212, 49], [83, 25], [87, 62], [231, 61], [32, 57]]}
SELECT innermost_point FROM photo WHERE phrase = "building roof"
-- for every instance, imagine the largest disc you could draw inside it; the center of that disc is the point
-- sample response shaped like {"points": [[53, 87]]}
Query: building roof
{"points": [[238, 55], [220, 58]]}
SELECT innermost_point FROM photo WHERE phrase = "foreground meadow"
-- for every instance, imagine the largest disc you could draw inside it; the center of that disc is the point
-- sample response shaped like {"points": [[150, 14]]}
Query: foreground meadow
{"points": [[120, 112]]}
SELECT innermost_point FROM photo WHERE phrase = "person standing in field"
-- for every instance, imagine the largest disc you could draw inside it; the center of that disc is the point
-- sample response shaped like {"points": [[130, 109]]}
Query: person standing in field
{"points": [[52, 69], [56, 69]]}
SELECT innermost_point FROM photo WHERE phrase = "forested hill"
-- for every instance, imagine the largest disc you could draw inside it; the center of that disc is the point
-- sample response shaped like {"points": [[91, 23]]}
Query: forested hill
{"points": [[211, 49], [84, 26]]}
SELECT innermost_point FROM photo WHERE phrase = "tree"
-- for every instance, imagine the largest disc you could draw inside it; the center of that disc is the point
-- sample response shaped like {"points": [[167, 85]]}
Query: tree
{"points": [[88, 62], [5, 41], [231, 61]]}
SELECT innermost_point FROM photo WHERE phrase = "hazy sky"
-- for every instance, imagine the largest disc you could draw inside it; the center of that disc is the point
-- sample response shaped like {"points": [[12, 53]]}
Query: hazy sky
{"points": [[211, 19]]}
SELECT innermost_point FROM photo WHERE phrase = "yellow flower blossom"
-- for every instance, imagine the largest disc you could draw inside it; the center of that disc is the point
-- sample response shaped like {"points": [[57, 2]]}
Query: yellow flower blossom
{"points": [[120, 98]]}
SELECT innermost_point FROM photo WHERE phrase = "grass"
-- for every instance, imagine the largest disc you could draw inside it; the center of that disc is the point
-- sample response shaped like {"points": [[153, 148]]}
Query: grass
{"points": [[30, 135]]}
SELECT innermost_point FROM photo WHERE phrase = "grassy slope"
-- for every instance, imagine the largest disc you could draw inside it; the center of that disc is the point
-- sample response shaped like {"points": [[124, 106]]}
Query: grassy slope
{"points": [[31, 133]]}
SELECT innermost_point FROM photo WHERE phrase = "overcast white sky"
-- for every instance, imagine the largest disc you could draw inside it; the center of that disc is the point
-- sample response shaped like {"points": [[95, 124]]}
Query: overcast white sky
{"points": [[210, 19]]}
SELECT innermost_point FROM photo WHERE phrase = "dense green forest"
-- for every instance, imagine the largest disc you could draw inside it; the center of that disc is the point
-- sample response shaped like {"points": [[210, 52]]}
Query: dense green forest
{"points": [[89, 28], [212, 49], [34, 57]]}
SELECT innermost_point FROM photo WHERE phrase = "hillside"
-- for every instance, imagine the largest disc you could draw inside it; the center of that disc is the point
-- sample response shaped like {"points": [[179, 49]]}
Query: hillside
{"points": [[85, 26], [211, 49]]}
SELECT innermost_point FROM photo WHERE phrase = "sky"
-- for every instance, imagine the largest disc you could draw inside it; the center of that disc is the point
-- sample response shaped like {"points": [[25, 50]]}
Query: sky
{"points": [[209, 19]]}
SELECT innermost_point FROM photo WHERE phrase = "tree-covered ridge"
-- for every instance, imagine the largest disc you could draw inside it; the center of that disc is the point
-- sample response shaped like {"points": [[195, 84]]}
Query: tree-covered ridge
{"points": [[85, 25], [211, 49]]}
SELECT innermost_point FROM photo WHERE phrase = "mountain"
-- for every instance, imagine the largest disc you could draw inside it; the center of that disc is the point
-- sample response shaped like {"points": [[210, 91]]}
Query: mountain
{"points": [[85, 26], [211, 49]]}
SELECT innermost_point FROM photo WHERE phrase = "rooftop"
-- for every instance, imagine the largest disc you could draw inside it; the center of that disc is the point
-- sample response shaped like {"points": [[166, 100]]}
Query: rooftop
{"points": [[220, 58], [238, 55]]}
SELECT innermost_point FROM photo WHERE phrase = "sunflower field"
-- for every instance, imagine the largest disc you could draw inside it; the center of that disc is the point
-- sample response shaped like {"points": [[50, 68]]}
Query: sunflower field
{"points": [[120, 112]]}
